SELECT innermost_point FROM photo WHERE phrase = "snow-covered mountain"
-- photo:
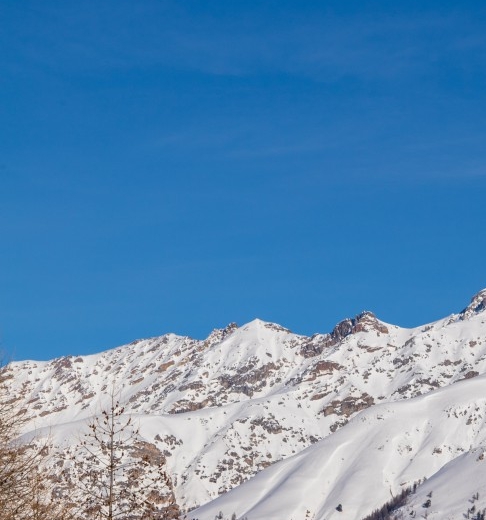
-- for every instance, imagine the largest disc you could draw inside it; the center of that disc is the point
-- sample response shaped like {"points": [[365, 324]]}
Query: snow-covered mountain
{"points": [[294, 426]]}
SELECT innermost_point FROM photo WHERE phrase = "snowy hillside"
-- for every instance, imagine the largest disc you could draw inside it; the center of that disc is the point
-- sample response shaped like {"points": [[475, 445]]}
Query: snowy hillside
{"points": [[353, 415], [440, 436]]}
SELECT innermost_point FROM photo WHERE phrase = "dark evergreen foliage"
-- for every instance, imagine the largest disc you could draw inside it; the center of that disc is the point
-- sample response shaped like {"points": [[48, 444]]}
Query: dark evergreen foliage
{"points": [[386, 511]]}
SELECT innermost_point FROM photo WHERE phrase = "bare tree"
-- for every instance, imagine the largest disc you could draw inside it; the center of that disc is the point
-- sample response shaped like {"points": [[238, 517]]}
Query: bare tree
{"points": [[117, 474], [43, 503], [16, 461], [25, 490]]}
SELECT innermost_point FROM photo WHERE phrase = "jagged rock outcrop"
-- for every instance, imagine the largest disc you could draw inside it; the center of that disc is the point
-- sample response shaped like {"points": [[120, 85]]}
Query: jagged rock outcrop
{"points": [[364, 322], [478, 304]]}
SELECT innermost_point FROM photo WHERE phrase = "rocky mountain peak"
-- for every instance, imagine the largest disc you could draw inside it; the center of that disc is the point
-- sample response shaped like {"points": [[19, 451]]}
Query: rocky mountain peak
{"points": [[364, 322], [478, 304], [218, 335]]}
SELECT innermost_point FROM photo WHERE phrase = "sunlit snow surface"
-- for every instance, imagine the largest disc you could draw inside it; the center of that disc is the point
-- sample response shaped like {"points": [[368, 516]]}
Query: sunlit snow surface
{"points": [[352, 417]]}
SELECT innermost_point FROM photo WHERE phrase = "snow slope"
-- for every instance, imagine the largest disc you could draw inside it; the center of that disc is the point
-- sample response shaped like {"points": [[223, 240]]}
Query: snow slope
{"points": [[225, 408], [440, 436]]}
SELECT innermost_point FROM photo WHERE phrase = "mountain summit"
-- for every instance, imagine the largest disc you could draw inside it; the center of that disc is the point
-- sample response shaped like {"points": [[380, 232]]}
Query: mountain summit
{"points": [[478, 304], [261, 422]]}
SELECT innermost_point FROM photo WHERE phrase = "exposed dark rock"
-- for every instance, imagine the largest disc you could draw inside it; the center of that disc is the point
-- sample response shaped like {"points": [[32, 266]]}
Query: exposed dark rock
{"points": [[478, 304], [218, 335], [315, 345], [349, 405], [248, 380], [322, 368], [365, 321], [471, 374], [269, 424]]}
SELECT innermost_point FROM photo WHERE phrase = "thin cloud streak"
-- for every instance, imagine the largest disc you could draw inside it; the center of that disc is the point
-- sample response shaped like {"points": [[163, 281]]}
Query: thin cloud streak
{"points": [[324, 49]]}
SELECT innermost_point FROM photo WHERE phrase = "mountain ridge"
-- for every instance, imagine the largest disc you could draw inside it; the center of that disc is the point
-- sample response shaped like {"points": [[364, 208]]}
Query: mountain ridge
{"points": [[225, 408]]}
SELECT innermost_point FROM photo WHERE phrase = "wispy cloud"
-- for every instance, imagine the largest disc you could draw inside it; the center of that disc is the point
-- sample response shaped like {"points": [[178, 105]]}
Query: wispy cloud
{"points": [[322, 46]]}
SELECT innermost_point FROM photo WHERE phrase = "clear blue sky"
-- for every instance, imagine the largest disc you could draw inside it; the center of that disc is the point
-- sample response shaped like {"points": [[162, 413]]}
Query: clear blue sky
{"points": [[173, 166]]}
